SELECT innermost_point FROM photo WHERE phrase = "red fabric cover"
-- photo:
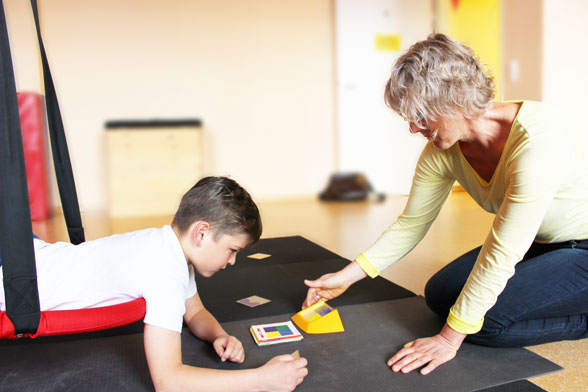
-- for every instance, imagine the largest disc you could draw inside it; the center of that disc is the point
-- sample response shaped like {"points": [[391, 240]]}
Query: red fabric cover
{"points": [[64, 322], [32, 123]]}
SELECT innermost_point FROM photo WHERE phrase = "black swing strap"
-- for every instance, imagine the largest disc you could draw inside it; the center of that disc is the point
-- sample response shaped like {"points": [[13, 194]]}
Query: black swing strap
{"points": [[16, 238], [61, 161]]}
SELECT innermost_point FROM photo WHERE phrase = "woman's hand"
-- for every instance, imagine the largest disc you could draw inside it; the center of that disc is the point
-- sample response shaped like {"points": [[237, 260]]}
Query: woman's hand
{"points": [[332, 285], [327, 287], [229, 347], [432, 352]]}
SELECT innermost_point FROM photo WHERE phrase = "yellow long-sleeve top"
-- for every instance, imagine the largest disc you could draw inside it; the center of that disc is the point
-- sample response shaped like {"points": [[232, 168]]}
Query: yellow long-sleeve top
{"points": [[539, 192]]}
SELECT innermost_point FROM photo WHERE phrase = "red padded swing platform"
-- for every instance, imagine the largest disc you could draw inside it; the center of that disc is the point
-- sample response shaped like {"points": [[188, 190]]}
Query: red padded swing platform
{"points": [[66, 322]]}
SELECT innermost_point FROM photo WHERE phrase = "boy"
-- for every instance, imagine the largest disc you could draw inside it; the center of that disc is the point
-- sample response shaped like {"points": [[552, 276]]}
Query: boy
{"points": [[215, 220]]}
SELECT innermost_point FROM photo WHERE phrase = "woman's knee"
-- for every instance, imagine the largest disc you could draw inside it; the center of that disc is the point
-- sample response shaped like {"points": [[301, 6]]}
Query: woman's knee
{"points": [[436, 297], [491, 335], [443, 288]]}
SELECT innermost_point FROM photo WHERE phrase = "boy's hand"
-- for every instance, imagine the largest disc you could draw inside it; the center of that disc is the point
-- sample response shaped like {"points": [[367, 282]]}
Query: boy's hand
{"points": [[229, 347], [283, 373]]}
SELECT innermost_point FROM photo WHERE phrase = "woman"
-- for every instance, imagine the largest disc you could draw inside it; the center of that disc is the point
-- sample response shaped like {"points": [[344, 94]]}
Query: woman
{"points": [[528, 283]]}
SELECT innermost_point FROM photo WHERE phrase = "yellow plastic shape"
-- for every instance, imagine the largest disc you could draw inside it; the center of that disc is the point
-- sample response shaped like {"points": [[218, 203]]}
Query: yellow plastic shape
{"points": [[319, 318]]}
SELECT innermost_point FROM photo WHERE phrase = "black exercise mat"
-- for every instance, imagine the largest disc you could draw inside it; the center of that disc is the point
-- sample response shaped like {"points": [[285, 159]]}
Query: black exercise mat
{"points": [[354, 360], [284, 250], [103, 364], [283, 284]]}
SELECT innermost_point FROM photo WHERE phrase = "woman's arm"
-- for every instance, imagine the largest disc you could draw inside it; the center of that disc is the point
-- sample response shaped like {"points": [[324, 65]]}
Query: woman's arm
{"points": [[431, 185], [532, 180], [430, 188]]}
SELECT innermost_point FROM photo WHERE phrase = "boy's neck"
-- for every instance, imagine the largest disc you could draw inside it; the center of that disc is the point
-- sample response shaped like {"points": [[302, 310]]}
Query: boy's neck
{"points": [[182, 240]]}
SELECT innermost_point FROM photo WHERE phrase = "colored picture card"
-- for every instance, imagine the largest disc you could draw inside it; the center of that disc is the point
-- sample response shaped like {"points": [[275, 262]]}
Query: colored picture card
{"points": [[253, 301], [265, 334], [317, 311]]}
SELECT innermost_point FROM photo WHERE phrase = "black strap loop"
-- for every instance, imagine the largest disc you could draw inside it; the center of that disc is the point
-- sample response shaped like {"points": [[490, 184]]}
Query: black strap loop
{"points": [[61, 161], [16, 237]]}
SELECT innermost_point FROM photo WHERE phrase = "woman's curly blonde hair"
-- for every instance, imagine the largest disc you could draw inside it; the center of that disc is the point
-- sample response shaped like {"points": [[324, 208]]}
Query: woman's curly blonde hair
{"points": [[437, 77]]}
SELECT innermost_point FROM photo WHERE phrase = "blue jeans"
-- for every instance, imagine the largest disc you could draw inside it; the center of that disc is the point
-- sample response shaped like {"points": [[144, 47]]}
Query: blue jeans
{"points": [[546, 300]]}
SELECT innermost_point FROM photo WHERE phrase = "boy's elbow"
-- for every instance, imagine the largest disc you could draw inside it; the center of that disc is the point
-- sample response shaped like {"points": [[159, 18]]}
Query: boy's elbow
{"points": [[167, 380], [162, 384]]}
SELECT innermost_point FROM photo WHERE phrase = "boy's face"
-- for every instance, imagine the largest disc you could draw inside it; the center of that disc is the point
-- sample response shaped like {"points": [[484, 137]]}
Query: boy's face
{"points": [[212, 253]]}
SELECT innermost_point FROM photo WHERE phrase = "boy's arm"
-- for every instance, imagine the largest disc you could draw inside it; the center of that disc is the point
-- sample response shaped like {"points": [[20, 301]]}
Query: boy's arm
{"points": [[205, 327], [164, 357]]}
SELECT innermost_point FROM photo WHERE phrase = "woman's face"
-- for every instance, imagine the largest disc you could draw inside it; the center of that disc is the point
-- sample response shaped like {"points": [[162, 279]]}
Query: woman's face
{"points": [[443, 133]]}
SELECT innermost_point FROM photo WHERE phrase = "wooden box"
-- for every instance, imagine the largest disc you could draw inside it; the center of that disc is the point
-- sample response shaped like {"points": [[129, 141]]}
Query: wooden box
{"points": [[151, 165]]}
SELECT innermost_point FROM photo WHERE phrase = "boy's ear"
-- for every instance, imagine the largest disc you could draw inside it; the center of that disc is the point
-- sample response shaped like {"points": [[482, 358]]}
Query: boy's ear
{"points": [[200, 229]]}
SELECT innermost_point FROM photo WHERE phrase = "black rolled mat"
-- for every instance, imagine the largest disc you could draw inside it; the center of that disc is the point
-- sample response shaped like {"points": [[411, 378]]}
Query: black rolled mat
{"points": [[354, 360]]}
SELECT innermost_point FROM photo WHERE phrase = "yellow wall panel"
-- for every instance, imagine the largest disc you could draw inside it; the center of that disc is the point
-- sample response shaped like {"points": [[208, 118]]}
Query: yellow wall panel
{"points": [[477, 23]]}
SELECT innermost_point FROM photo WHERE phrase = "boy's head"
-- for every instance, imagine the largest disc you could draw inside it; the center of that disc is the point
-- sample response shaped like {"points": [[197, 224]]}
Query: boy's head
{"points": [[216, 218], [224, 204]]}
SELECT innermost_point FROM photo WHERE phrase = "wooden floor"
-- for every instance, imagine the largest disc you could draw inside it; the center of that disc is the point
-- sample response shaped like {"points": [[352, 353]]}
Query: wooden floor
{"points": [[348, 228]]}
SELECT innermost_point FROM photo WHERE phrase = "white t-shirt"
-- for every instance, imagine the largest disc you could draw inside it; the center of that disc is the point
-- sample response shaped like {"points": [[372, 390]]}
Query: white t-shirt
{"points": [[147, 264]]}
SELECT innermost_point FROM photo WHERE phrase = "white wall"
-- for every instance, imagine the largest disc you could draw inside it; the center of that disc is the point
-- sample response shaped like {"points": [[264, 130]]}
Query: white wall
{"points": [[259, 73], [372, 138], [565, 39]]}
